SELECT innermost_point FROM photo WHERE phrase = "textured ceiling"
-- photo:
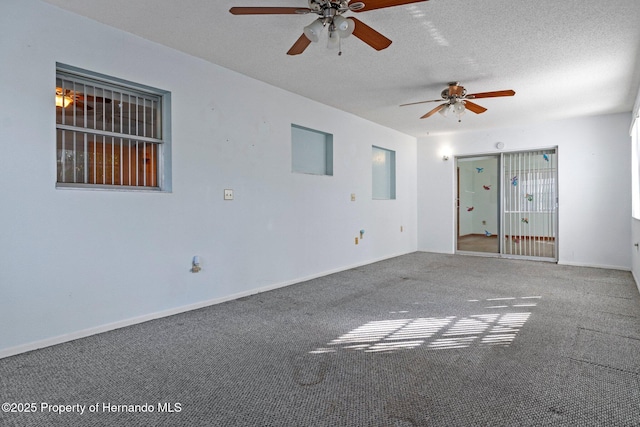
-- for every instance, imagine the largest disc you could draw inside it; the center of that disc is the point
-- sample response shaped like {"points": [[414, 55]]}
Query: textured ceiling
{"points": [[563, 58]]}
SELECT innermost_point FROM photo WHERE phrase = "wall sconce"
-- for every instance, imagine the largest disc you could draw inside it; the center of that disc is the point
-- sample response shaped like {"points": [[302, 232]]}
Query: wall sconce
{"points": [[445, 157]]}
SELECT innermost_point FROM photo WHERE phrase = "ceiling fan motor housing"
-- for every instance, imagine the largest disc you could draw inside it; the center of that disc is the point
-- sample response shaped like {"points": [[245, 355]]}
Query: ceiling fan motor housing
{"points": [[328, 7], [454, 91]]}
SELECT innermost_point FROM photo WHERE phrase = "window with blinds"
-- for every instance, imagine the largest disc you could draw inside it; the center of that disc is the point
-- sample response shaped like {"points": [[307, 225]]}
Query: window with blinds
{"points": [[108, 133]]}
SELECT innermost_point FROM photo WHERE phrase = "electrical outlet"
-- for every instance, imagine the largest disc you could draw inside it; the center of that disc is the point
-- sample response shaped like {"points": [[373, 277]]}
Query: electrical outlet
{"points": [[353, 197], [228, 194]]}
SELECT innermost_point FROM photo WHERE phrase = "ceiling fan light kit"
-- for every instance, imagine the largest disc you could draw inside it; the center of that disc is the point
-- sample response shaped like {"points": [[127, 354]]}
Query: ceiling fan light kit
{"points": [[313, 30], [62, 100], [330, 12], [343, 26], [456, 108]]}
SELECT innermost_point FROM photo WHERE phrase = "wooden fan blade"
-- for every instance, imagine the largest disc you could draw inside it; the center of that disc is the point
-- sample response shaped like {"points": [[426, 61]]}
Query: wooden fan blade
{"points": [[299, 46], [493, 94], [79, 105], [478, 109], [435, 110], [421, 102], [379, 4], [269, 10], [370, 36], [91, 98]]}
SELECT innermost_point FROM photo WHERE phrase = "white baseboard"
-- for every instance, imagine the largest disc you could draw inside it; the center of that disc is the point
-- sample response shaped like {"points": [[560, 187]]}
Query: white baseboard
{"points": [[607, 267], [637, 280], [60, 339], [427, 251]]}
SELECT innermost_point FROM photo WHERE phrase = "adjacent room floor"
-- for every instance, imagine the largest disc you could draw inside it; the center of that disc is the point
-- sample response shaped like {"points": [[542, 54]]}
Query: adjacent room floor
{"points": [[418, 340], [525, 247]]}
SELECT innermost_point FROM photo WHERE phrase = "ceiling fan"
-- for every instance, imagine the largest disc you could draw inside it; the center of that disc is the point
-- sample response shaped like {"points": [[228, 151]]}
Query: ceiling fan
{"points": [[330, 12], [457, 100], [67, 96]]}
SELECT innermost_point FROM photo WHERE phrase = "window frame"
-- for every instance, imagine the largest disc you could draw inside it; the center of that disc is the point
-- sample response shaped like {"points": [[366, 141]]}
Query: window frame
{"points": [[297, 149], [161, 146]]}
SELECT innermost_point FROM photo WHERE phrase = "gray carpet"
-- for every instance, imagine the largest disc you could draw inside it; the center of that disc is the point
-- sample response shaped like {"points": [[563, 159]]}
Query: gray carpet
{"points": [[418, 340]]}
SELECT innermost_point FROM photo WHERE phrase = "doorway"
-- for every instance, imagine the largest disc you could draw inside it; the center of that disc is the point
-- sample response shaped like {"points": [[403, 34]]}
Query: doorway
{"points": [[507, 205]]}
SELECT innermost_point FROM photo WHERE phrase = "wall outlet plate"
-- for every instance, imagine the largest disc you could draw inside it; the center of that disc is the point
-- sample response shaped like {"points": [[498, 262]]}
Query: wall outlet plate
{"points": [[228, 194]]}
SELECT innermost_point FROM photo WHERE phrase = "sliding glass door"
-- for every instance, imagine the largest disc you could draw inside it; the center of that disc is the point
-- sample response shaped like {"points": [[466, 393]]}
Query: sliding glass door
{"points": [[530, 203], [478, 204], [507, 204]]}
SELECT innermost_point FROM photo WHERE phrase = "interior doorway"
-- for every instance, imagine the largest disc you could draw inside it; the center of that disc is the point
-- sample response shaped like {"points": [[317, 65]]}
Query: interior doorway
{"points": [[507, 204]]}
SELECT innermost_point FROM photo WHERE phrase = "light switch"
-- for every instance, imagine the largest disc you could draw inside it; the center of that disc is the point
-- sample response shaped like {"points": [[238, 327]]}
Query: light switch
{"points": [[353, 197], [228, 194]]}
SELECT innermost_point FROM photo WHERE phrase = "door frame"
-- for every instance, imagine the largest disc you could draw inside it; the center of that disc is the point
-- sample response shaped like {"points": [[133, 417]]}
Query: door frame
{"points": [[501, 212], [498, 217]]}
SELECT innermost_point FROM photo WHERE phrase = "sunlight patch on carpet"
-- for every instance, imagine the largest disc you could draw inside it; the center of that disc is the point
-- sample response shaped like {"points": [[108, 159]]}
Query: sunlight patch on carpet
{"points": [[436, 333]]}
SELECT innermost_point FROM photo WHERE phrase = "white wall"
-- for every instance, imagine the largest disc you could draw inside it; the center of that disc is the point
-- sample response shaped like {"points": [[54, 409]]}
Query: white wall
{"points": [[594, 170], [635, 253], [635, 197], [76, 262]]}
